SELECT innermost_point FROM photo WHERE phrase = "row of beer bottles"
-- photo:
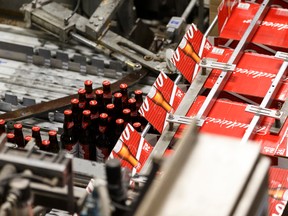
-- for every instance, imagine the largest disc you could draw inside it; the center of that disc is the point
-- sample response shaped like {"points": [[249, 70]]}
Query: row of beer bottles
{"points": [[17, 137], [92, 143]]}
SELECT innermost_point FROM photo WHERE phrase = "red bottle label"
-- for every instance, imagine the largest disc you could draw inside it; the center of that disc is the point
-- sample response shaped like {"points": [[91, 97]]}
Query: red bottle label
{"points": [[102, 154], [91, 95], [94, 116], [84, 152], [72, 149]]}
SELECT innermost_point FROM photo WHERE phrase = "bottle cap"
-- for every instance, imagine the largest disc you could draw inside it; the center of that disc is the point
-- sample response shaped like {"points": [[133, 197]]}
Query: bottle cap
{"points": [[88, 82], [120, 121], [81, 91], [126, 111], [132, 100], [68, 112], [136, 124], [74, 101], [52, 133], [103, 115], [138, 92], [35, 128], [123, 86], [10, 135], [18, 126], [2, 121], [86, 112], [99, 92], [27, 138], [106, 83], [117, 95], [45, 142], [110, 106], [93, 103]]}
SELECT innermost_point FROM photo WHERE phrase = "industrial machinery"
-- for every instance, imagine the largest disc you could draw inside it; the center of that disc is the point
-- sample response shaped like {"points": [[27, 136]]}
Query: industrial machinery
{"points": [[209, 137]]}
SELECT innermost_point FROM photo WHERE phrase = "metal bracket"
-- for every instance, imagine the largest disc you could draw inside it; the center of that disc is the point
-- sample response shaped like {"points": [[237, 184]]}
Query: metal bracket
{"points": [[206, 63], [276, 128], [282, 55], [264, 111], [179, 119]]}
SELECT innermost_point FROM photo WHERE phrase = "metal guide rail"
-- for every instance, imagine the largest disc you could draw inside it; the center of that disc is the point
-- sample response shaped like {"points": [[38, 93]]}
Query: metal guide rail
{"points": [[198, 82]]}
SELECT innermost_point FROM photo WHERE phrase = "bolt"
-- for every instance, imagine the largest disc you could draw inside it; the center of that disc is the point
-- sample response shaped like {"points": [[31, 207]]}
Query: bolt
{"points": [[100, 18], [277, 113]]}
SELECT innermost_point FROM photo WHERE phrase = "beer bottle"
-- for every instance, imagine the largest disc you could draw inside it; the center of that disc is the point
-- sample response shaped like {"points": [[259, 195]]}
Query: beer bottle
{"points": [[82, 99], [2, 126], [110, 110], [54, 144], [124, 92], [99, 99], [126, 115], [139, 98], [45, 146], [118, 104], [89, 91], [137, 126], [68, 140], [10, 137], [188, 50], [27, 138], [107, 94], [77, 115], [103, 145], [157, 97], [118, 131], [94, 116], [37, 136], [124, 153], [19, 138], [85, 139], [132, 107]]}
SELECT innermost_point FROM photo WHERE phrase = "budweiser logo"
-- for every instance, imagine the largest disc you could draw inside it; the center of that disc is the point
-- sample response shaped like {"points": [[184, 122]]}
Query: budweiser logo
{"points": [[256, 74], [261, 130], [278, 26]]}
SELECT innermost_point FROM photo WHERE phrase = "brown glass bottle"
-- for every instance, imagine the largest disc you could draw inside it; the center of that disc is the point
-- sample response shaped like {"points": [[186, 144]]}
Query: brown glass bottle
{"points": [[103, 144], [132, 107], [68, 140], [93, 105], [85, 139], [118, 104], [99, 99], [77, 114], [119, 127], [37, 136], [2, 126], [139, 98], [19, 138], [54, 144], [137, 126], [10, 137], [126, 115], [27, 139], [107, 94], [45, 146], [82, 99], [125, 96], [110, 110], [89, 91]]}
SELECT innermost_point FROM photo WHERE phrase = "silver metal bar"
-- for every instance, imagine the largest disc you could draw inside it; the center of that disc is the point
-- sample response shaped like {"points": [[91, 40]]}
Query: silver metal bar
{"points": [[215, 20], [266, 101], [235, 57], [188, 9], [243, 98], [264, 111]]}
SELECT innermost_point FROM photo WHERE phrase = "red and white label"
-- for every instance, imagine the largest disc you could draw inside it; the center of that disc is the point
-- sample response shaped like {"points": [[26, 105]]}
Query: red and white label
{"points": [[199, 47], [163, 98], [132, 149], [277, 190]]}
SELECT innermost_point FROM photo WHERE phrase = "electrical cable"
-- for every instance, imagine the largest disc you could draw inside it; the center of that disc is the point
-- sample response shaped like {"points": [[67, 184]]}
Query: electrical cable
{"points": [[66, 20]]}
